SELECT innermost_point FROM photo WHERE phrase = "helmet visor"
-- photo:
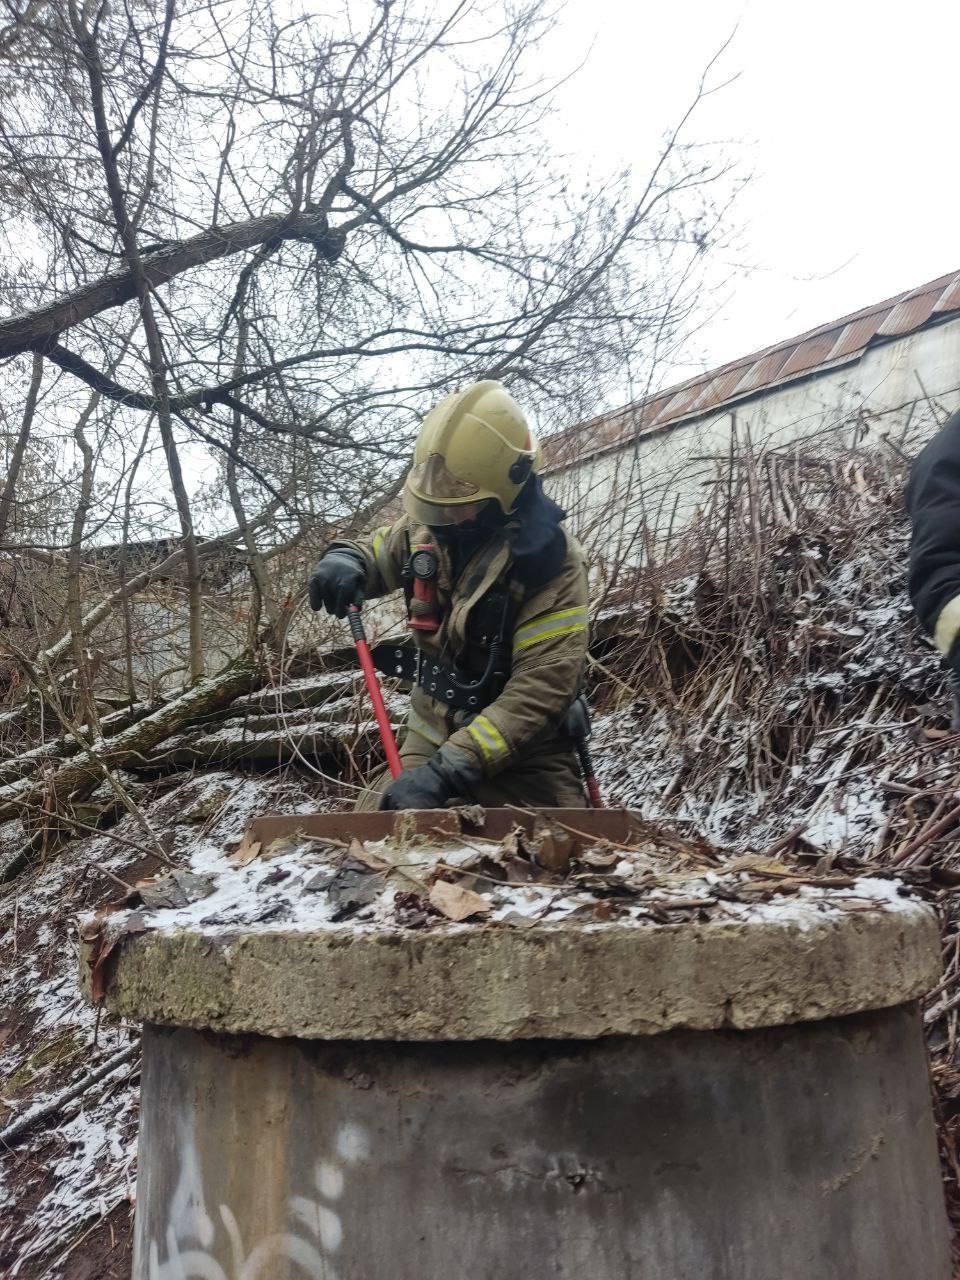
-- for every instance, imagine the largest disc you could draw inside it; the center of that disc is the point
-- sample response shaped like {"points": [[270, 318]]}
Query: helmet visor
{"points": [[433, 479], [438, 514], [433, 495]]}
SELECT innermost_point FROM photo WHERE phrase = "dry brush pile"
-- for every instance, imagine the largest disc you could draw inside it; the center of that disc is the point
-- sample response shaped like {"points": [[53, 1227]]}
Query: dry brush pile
{"points": [[765, 684]]}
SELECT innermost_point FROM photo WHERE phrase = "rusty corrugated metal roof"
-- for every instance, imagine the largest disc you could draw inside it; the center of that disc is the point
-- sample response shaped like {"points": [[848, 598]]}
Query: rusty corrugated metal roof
{"points": [[840, 342]]}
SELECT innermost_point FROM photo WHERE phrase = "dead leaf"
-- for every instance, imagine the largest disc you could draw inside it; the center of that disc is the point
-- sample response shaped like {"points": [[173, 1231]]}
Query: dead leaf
{"points": [[102, 947], [178, 889], [246, 851], [471, 815], [608, 886], [410, 909], [455, 902], [510, 844], [282, 844], [360, 853], [550, 847], [601, 909], [520, 871], [490, 868], [517, 920], [600, 859], [351, 886]]}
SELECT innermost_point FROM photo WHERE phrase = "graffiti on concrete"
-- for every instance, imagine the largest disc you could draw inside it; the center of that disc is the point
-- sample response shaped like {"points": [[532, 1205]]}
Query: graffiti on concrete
{"points": [[200, 1245]]}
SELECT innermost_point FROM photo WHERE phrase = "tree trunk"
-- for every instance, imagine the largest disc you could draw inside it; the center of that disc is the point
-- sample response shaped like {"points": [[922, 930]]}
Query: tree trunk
{"points": [[85, 710], [20, 446], [155, 353]]}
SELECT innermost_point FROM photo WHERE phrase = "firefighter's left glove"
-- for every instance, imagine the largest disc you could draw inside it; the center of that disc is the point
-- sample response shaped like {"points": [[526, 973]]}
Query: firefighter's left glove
{"points": [[447, 775], [338, 581]]}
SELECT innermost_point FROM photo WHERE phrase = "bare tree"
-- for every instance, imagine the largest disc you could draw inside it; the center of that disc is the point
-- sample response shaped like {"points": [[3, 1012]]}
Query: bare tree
{"points": [[264, 243]]}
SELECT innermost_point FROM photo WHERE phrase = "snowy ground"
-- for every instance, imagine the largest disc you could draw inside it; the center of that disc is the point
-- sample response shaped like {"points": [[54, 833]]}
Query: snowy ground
{"points": [[74, 1171]]}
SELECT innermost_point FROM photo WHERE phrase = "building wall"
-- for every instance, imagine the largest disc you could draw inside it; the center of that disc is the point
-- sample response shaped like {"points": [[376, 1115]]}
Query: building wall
{"points": [[898, 390]]}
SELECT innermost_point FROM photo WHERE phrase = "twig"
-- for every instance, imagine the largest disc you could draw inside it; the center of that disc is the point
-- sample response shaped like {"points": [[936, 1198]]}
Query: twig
{"points": [[584, 835], [104, 871], [934, 1015], [948, 820]]}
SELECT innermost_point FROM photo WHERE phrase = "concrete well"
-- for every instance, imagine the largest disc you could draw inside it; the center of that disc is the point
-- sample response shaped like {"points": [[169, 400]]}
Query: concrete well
{"points": [[720, 1099]]}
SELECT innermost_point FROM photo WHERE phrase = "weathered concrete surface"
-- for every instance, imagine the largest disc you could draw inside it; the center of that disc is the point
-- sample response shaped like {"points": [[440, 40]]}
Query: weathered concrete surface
{"points": [[796, 1153], [566, 981]]}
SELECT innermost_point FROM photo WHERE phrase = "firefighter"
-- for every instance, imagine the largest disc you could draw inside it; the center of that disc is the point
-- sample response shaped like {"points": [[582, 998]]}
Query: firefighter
{"points": [[496, 596], [933, 501]]}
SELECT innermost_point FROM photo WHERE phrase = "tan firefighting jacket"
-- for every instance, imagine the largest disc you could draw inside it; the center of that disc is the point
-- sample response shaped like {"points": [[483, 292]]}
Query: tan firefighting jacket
{"points": [[548, 652]]}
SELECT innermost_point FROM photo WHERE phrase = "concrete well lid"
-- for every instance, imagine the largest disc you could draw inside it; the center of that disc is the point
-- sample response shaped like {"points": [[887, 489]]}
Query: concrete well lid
{"points": [[262, 953]]}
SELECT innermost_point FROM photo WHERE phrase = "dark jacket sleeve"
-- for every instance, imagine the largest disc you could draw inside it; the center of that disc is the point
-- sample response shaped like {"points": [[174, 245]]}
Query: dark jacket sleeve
{"points": [[933, 501]]}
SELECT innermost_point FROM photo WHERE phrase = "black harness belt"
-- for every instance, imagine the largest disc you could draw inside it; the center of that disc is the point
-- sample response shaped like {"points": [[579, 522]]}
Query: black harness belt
{"points": [[406, 662]]}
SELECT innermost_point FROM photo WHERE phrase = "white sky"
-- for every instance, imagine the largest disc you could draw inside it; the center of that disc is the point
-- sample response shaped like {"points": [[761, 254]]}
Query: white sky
{"points": [[845, 112]]}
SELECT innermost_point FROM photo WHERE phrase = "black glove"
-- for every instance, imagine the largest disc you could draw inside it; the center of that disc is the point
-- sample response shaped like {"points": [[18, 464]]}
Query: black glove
{"points": [[338, 581], [447, 774], [577, 722]]}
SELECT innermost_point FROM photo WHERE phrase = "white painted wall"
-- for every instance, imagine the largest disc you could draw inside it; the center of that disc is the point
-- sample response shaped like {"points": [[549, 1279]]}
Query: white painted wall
{"points": [[663, 478]]}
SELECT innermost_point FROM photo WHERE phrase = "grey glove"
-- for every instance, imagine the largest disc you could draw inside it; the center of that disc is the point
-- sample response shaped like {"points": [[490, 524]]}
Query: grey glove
{"points": [[338, 581]]}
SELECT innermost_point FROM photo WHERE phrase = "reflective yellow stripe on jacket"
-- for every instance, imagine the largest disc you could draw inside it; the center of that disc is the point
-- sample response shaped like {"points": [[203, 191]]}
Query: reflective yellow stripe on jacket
{"points": [[417, 724], [382, 556], [548, 626], [488, 738]]}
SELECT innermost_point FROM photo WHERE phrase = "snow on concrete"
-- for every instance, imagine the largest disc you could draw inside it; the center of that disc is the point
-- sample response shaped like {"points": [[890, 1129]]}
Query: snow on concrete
{"points": [[277, 892], [689, 776]]}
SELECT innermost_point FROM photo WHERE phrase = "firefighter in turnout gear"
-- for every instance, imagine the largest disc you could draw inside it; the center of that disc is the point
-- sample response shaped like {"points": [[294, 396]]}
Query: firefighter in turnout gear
{"points": [[933, 501], [496, 594]]}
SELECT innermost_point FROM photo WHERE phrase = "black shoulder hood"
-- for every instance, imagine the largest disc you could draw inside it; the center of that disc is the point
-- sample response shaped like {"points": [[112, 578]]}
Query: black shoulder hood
{"points": [[537, 543]]}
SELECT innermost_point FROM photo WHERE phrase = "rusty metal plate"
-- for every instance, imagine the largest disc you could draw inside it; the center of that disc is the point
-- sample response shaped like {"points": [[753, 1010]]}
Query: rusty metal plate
{"points": [[949, 299], [618, 825], [854, 337]]}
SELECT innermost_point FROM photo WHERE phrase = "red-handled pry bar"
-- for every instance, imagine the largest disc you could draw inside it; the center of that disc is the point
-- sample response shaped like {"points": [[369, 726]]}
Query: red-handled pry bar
{"points": [[373, 688]]}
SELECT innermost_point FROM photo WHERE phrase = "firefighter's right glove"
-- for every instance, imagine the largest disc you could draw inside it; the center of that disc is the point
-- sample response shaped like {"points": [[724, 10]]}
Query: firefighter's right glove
{"points": [[338, 581], [577, 722]]}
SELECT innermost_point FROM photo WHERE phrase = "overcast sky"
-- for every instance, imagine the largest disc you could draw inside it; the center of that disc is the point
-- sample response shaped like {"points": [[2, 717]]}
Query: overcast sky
{"points": [[845, 111]]}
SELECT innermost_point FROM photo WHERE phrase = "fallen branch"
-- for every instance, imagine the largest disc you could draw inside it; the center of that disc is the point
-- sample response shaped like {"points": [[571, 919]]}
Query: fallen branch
{"points": [[76, 779], [31, 1118]]}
